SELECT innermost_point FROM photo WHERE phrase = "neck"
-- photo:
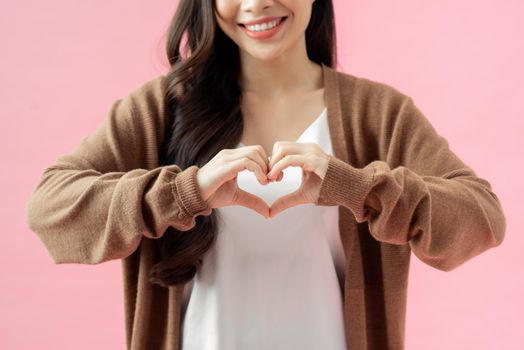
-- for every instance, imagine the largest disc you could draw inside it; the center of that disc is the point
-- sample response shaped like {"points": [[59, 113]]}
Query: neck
{"points": [[290, 73]]}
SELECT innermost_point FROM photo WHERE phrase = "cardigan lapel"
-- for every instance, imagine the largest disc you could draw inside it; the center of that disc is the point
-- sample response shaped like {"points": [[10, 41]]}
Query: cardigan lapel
{"points": [[337, 129], [334, 113]]}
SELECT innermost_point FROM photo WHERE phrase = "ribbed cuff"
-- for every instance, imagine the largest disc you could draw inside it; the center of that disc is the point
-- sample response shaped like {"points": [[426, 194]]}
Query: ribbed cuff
{"points": [[187, 193], [346, 185]]}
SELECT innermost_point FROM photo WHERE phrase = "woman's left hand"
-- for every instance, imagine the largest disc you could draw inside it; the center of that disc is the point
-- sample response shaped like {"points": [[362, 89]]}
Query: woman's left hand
{"points": [[314, 163]]}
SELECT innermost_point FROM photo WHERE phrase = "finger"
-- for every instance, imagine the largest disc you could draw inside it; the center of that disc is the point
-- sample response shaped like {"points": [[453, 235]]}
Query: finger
{"points": [[256, 153], [253, 152], [289, 160], [246, 163], [251, 201], [283, 148], [264, 157], [285, 202], [260, 157]]}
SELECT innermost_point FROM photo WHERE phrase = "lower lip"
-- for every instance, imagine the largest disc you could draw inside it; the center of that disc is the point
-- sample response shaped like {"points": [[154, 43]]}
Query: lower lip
{"points": [[266, 34]]}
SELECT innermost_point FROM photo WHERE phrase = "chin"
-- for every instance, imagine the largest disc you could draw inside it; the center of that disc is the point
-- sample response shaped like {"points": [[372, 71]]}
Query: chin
{"points": [[264, 55]]}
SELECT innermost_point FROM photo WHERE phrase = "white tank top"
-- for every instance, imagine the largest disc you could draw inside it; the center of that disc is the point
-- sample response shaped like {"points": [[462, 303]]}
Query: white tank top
{"points": [[270, 283]]}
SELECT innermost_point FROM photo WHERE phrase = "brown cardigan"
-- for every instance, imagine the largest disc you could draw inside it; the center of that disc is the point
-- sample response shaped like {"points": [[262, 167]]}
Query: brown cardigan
{"points": [[398, 186]]}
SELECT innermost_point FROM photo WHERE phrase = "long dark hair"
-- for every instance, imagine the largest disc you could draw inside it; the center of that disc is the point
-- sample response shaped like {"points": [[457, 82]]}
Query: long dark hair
{"points": [[204, 104]]}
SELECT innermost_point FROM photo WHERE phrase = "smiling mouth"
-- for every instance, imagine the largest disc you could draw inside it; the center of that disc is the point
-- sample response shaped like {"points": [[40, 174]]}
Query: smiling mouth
{"points": [[279, 23]]}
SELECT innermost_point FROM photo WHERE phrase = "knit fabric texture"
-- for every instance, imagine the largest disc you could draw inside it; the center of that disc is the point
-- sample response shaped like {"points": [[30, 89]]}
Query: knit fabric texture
{"points": [[398, 186]]}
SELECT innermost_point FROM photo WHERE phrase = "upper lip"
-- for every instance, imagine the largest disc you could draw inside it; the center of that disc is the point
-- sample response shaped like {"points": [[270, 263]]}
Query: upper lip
{"points": [[261, 20]]}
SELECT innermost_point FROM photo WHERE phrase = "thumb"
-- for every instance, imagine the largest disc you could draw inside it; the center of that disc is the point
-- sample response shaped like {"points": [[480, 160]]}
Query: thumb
{"points": [[251, 201], [287, 201]]}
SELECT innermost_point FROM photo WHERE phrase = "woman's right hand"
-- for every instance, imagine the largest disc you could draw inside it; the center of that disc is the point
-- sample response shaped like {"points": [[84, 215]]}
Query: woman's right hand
{"points": [[217, 178]]}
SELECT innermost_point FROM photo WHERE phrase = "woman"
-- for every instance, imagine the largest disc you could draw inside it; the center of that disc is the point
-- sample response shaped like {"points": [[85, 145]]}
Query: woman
{"points": [[258, 198]]}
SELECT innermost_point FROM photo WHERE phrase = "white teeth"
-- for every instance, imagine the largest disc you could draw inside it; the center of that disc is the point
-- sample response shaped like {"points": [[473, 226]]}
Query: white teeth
{"points": [[263, 26]]}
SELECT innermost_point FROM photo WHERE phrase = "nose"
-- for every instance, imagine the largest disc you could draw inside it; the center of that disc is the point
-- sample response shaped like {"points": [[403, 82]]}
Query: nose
{"points": [[256, 6]]}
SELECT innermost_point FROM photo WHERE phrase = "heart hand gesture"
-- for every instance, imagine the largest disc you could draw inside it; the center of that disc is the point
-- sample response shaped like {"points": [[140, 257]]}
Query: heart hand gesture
{"points": [[217, 179], [218, 185], [314, 163]]}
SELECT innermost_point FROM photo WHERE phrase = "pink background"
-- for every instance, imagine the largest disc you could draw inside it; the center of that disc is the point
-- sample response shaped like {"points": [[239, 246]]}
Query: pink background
{"points": [[64, 62]]}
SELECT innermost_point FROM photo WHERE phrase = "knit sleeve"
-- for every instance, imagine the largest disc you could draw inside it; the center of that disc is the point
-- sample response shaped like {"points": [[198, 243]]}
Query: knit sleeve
{"points": [[432, 201], [96, 203]]}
